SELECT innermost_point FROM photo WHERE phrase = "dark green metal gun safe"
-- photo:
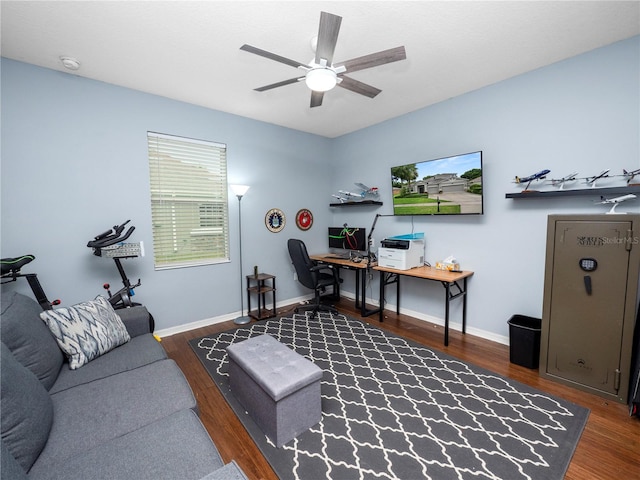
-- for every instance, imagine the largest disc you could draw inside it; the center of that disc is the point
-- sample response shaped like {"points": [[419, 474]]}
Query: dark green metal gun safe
{"points": [[590, 302]]}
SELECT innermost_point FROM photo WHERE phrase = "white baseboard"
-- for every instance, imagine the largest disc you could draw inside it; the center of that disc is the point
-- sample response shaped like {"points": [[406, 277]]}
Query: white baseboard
{"points": [[185, 327], [167, 332], [437, 321]]}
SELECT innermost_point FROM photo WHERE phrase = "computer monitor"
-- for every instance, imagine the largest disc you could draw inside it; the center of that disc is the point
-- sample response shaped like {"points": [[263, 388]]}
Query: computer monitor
{"points": [[348, 238]]}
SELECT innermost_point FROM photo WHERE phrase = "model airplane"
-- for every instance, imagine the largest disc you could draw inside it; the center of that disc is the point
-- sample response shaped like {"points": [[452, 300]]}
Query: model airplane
{"points": [[542, 174], [349, 194], [615, 201], [629, 175], [365, 192], [561, 181], [371, 191], [592, 180]]}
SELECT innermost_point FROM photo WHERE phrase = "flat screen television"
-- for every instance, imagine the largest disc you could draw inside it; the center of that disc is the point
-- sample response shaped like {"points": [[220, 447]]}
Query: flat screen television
{"points": [[443, 186], [348, 238]]}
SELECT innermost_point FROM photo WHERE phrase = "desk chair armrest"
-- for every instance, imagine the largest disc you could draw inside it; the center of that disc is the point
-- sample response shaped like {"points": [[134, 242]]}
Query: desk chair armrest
{"points": [[319, 268], [334, 271]]}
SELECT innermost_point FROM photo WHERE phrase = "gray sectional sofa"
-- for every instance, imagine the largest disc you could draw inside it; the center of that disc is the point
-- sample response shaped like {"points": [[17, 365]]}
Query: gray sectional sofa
{"points": [[127, 414]]}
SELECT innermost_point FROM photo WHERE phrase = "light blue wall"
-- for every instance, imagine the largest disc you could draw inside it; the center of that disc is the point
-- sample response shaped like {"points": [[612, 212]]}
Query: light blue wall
{"points": [[74, 162], [582, 114]]}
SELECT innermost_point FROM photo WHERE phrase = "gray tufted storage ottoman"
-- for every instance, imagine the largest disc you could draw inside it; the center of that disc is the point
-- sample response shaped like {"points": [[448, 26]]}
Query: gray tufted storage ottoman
{"points": [[279, 388]]}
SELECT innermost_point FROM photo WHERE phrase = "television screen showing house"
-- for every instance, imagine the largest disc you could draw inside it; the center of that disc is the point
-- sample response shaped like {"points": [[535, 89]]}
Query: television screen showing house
{"points": [[444, 186]]}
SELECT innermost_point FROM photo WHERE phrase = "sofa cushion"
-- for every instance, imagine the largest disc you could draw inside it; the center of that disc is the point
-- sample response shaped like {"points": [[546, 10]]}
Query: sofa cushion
{"points": [[231, 471], [137, 320], [9, 467], [86, 330], [96, 412], [27, 410], [137, 352], [28, 337], [174, 447]]}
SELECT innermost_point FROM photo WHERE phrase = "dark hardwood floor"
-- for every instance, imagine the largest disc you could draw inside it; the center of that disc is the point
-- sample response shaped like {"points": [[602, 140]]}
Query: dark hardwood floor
{"points": [[609, 447]]}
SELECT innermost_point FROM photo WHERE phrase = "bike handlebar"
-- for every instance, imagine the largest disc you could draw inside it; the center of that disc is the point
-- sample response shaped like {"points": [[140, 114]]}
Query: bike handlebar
{"points": [[108, 238]]}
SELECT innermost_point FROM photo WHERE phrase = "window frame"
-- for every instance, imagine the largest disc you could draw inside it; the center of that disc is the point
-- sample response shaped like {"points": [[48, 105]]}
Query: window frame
{"points": [[189, 201]]}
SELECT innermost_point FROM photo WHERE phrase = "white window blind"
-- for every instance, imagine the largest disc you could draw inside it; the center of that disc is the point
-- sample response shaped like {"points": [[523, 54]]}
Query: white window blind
{"points": [[189, 201]]}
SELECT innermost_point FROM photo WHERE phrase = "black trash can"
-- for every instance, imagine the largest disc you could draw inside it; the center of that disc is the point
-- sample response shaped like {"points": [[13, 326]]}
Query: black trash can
{"points": [[524, 340]]}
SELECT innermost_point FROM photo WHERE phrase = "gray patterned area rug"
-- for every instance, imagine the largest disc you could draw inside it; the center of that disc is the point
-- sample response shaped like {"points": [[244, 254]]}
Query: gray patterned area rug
{"points": [[393, 409]]}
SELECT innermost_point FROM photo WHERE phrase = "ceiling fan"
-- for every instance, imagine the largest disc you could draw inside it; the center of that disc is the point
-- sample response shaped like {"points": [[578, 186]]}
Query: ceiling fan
{"points": [[321, 74]]}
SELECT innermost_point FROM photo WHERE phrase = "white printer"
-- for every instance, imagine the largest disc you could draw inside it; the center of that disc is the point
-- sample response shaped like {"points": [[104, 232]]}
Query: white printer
{"points": [[402, 252]]}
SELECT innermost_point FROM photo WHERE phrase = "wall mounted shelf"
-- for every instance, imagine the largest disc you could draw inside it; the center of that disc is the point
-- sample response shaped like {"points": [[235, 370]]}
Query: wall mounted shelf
{"points": [[353, 204], [576, 192]]}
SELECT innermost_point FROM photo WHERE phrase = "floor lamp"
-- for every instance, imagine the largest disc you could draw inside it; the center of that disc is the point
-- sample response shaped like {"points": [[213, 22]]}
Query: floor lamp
{"points": [[239, 191]]}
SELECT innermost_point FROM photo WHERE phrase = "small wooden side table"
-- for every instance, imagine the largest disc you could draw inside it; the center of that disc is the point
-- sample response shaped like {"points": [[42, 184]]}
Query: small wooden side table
{"points": [[260, 285]]}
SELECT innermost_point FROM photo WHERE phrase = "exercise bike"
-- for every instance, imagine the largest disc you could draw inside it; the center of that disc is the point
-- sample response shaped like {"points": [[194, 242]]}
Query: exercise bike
{"points": [[111, 244], [10, 270]]}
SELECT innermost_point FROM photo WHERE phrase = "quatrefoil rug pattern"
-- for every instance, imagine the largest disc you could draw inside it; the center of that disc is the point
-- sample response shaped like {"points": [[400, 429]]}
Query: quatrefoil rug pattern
{"points": [[393, 409]]}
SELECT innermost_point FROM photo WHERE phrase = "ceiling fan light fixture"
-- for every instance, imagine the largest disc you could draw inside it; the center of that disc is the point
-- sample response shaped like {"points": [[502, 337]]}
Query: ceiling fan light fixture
{"points": [[321, 79]]}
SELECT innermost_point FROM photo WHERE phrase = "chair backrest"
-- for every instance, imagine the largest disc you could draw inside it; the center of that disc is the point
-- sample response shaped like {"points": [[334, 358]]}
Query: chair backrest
{"points": [[302, 263]]}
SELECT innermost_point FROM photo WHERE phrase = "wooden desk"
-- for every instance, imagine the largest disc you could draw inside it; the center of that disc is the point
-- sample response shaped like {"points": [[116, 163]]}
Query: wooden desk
{"points": [[360, 269], [448, 279]]}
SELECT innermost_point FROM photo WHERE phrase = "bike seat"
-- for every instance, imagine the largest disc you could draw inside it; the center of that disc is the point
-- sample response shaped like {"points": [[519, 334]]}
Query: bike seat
{"points": [[14, 264]]}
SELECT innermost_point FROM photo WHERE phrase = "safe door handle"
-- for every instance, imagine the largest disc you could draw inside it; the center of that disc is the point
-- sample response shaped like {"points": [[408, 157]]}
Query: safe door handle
{"points": [[587, 284]]}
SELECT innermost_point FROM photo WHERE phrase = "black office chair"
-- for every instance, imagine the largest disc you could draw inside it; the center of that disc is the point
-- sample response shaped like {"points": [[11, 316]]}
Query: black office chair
{"points": [[313, 275]]}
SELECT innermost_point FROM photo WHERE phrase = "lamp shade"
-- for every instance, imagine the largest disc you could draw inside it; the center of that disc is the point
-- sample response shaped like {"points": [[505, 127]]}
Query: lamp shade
{"points": [[321, 79], [239, 190]]}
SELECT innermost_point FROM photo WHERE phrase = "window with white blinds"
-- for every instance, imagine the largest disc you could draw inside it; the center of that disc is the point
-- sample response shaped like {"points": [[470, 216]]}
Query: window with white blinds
{"points": [[189, 202]]}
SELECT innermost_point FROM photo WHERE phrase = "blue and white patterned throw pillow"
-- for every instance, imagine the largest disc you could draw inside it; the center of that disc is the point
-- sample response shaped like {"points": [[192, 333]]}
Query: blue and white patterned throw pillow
{"points": [[86, 330]]}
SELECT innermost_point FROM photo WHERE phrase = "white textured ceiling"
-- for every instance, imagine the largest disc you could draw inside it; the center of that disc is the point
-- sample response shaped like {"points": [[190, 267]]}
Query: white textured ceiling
{"points": [[190, 51]]}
